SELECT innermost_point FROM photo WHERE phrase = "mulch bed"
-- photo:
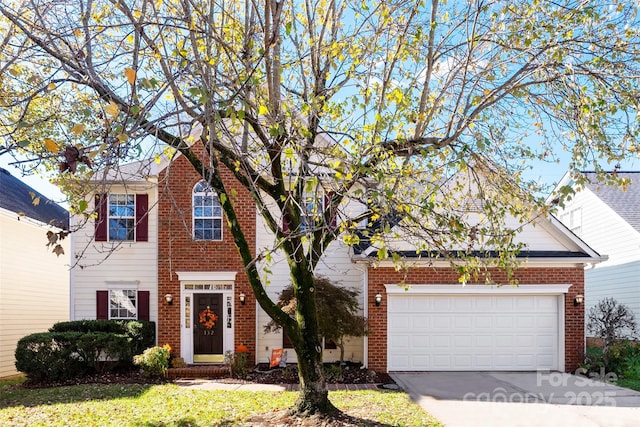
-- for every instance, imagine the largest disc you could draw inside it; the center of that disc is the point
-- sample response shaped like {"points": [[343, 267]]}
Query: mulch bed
{"points": [[349, 373]]}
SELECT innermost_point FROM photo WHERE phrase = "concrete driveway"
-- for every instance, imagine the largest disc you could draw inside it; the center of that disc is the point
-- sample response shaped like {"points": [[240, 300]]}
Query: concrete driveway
{"points": [[527, 399]]}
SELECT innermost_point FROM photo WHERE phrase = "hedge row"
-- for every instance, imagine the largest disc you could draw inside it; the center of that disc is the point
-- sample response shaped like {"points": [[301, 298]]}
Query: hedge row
{"points": [[72, 349]]}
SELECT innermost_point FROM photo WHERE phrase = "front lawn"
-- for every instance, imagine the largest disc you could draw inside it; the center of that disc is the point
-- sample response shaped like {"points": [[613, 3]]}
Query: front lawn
{"points": [[632, 383], [171, 405]]}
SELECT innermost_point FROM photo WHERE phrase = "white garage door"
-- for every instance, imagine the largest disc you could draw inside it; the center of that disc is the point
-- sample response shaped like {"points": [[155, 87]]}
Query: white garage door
{"points": [[472, 332]]}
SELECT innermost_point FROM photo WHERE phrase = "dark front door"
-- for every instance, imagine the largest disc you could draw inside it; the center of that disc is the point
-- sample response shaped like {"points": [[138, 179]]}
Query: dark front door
{"points": [[208, 328]]}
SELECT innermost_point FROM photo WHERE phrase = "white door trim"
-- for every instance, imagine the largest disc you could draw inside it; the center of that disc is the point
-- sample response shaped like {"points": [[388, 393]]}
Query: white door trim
{"points": [[192, 283]]}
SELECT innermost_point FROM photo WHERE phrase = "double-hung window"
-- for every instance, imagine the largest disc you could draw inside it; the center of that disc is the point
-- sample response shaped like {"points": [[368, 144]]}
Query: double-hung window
{"points": [[122, 217], [312, 210], [123, 303], [207, 213]]}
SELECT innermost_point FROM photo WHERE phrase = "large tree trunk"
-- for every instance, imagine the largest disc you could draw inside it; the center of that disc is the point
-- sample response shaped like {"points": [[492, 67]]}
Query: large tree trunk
{"points": [[314, 397]]}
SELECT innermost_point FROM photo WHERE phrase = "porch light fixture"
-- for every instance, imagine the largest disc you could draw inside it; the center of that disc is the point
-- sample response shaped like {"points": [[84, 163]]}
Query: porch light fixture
{"points": [[169, 299], [578, 300], [242, 298], [378, 299]]}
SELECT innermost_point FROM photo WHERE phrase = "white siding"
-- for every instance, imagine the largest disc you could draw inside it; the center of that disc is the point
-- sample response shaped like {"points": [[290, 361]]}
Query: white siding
{"points": [[336, 264], [34, 284], [102, 262], [621, 282], [607, 233]]}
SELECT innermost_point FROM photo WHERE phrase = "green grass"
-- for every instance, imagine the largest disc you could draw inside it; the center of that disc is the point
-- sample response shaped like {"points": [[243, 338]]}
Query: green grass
{"points": [[632, 383], [171, 405]]}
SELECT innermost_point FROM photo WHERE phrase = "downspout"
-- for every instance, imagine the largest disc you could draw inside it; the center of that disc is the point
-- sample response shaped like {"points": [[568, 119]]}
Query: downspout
{"points": [[72, 282], [365, 293]]}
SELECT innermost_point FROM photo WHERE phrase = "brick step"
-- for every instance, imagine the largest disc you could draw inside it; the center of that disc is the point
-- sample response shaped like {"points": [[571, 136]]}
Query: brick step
{"points": [[199, 371]]}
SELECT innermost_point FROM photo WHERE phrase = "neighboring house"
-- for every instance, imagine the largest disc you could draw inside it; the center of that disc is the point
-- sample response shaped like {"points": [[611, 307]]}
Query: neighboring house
{"points": [[174, 260], [608, 219], [34, 282]]}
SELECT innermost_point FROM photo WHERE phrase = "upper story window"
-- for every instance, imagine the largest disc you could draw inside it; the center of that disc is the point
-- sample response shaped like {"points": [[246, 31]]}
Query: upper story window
{"points": [[573, 220], [313, 208], [122, 219], [207, 213]]}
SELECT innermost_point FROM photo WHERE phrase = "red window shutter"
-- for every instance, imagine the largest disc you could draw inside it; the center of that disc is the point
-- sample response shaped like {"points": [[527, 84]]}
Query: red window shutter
{"points": [[143, 305], [102, 305], [102, 221], [286, 342], [142, 219], [333, 218]]}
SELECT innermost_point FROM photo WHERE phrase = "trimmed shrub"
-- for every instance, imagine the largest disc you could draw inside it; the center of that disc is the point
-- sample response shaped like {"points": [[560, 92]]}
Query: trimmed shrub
{"points": [[83, 347], [154, 361], [51, 356], [141, 332]]}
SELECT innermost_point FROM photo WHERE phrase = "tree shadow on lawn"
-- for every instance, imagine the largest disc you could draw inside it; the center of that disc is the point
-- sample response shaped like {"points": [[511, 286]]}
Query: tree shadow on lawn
{"points": [[281, 418], [20, 395]]}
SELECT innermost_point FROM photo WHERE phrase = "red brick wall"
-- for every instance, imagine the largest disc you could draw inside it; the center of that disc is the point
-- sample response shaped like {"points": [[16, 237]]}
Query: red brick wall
{"points": [[177, 251], [378, 277]]}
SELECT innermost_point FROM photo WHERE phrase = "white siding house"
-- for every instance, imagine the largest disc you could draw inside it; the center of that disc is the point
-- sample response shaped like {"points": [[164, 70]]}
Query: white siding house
{"points": [[607, 218], [124, 266], [34, 282]]}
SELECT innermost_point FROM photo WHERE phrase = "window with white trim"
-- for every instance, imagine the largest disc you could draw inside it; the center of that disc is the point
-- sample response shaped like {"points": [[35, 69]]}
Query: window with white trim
{"points": [[123, 304], [207, 213], [122, 217], [312, 210], [573, 220]]}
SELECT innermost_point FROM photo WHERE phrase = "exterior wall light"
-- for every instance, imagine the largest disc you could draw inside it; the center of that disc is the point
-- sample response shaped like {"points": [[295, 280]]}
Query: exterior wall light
{"points": [[169, 299], [378, 299], [242, 298], [578, 300]]}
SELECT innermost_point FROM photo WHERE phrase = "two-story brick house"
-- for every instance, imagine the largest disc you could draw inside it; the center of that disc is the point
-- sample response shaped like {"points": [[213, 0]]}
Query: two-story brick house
{"points": [[168, 256]]}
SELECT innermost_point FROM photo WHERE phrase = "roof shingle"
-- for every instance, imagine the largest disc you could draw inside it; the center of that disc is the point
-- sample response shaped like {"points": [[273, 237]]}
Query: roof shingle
{"points": [[15, 196], [624, 203]]}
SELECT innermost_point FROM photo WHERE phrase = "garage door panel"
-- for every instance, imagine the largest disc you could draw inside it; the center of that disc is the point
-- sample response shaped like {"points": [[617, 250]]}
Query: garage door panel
{"points": [[463, 321], [484, 322], [481, 341], [524, 302], [547, 322], [441, 322], [502, 304], [472, 332], [420, 341], [546, 305], [399, 323], [525, 321], [440, 341]]}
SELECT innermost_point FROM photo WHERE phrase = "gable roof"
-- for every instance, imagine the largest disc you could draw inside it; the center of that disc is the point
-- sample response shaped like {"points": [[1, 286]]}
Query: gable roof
{"points": [[15, 196], [624, 202]]}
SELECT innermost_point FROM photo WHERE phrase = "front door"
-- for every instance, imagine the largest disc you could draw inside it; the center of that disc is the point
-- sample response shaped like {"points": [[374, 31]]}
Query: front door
{"points": [[208, 325]]}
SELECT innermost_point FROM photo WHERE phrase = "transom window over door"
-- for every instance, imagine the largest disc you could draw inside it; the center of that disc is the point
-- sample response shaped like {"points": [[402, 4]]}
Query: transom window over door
{"points": [[207, 213], [122, 217]]}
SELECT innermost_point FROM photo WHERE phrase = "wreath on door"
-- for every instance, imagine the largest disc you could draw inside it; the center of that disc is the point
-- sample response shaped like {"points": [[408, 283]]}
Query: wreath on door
{"points": [[208, 318]]}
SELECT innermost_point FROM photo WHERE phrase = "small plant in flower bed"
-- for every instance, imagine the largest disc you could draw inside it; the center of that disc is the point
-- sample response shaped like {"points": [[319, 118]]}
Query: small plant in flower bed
{"points": [[237, 361], [154, 362]]}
